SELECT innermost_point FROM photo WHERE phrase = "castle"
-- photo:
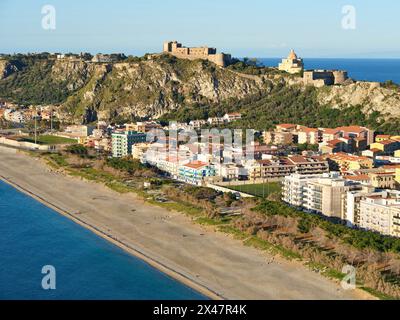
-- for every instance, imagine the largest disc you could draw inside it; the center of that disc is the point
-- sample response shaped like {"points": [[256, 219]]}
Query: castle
{"points": [[292, 64], [320, 78], [176, 49]]}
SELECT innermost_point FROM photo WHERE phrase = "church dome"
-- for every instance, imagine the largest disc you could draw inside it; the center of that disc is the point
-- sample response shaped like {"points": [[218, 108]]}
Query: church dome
{"points": [[292, 55]]}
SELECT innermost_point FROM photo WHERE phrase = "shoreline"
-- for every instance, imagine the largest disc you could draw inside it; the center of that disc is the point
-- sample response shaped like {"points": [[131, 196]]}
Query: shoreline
{"points": [[177, 276], [213, 264]]}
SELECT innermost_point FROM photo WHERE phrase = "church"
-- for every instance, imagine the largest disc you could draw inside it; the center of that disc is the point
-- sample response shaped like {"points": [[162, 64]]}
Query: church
{"points": [[292, 64]]}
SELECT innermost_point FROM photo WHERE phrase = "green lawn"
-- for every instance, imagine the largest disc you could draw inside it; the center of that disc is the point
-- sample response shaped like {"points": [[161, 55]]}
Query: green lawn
{"points": [[47, 139], [258, 190]]}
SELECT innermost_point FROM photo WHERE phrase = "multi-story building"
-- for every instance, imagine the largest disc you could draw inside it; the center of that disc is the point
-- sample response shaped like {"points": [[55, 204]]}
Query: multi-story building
{"points": [[122, 142], [346, 162], [322, 193], [383, 180], [278, 138], [78, 131], [278, 168], [381, 213], [139, 150], [327, 195], [388, 147], [309, 135], [294, 187], [195, 172], [352, 207]]}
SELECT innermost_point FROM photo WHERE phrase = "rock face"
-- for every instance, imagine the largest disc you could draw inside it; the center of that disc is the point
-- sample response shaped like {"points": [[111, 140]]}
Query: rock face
{"points": [[155, 85], [6, 69], [151, 88], [372, 96]]}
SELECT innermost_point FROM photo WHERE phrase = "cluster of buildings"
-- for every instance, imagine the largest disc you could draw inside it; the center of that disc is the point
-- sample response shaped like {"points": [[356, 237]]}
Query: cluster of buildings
{"points": [[362, 185], [21, 115], [349, 139], [358, 203], [87, 57], [318, 78]]}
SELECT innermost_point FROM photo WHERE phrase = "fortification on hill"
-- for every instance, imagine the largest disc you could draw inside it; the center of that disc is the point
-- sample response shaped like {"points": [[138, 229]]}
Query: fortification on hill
{"points": [[176, 49]]}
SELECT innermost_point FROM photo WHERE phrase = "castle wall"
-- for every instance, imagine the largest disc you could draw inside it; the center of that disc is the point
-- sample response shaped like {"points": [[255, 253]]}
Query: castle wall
{"points": [[321, 78], [176, 49]]}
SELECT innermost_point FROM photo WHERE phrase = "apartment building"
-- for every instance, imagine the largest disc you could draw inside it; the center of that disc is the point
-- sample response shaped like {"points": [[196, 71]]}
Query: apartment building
{"points": [[387, 147], [278, 168], [346, 162], [383, 180], [381, 213], [327, 195], [122, 142], [195, 172], [322, 193], [294, 187]]}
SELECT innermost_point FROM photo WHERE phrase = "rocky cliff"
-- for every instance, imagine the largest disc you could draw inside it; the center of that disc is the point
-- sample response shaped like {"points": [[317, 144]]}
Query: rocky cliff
{"points": [[6, 69], [370, 96], [153, 86]]}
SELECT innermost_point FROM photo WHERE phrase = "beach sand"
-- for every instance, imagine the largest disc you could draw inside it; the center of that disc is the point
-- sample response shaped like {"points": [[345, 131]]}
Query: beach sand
{"points": [[211, 263]]}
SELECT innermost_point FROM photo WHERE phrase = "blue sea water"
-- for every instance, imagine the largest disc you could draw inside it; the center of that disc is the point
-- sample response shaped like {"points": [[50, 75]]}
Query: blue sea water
{"points": [[379, 70], [87, 266]]}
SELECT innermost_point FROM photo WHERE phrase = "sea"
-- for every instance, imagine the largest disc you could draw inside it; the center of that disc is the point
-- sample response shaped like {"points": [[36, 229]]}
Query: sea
{"points": [[379, 70], [36, 239]]}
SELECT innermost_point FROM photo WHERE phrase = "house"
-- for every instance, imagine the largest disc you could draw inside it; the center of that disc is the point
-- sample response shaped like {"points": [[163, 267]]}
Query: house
{"points": [[286, 127], [230, 117], [371, 153]]}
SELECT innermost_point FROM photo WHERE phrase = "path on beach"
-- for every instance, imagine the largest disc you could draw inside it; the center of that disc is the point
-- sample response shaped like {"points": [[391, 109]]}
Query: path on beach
{"points": [[210, 259]]}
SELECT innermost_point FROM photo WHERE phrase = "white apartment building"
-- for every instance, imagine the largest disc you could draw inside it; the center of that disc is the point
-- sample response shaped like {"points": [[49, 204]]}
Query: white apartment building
{"points": [[320, 193], [352, 204], [327, 195], [294, 187], [381, 213]]}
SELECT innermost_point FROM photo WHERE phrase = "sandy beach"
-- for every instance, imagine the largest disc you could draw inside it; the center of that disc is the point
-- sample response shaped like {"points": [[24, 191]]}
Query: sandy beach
{"points": [[211, 263]]}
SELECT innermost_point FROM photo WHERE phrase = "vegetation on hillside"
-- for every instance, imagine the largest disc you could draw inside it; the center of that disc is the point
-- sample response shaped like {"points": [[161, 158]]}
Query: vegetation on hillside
{"points": [[287, 104], [33, 83]]}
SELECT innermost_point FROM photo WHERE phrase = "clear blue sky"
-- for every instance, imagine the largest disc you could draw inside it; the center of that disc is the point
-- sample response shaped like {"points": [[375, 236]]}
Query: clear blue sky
{"points": [[256, 28]]}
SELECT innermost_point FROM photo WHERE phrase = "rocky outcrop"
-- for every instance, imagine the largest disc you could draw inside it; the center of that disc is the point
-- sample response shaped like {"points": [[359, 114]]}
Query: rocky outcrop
{"points": [[6, 69], [151, 88], [371, 96]]}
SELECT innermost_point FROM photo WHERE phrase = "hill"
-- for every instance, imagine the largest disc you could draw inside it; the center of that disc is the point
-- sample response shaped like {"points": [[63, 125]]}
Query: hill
{"points": [[161, 86]]}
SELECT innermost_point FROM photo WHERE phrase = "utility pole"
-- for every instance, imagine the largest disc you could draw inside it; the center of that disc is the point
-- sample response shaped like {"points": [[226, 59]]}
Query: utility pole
{"points": [[35, 130], [51, 121]]}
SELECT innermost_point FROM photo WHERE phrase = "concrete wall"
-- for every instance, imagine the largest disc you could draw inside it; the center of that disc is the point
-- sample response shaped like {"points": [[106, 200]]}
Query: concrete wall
{"points": [[25, 145], [226, 190]]}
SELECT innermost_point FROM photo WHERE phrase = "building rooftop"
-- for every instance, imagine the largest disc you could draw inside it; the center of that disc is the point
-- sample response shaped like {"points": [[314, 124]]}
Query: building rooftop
{"points": [[196, 164]]}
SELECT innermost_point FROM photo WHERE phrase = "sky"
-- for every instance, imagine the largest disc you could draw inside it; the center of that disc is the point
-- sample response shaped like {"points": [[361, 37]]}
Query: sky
{"points": [[253, 28]]}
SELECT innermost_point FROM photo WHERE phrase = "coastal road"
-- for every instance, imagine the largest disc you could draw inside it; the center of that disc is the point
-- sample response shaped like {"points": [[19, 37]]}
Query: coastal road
{"points": [[212, 261]]}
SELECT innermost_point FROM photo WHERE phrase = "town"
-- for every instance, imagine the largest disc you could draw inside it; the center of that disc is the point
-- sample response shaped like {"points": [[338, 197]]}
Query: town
{"points": [[350, 174]]}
